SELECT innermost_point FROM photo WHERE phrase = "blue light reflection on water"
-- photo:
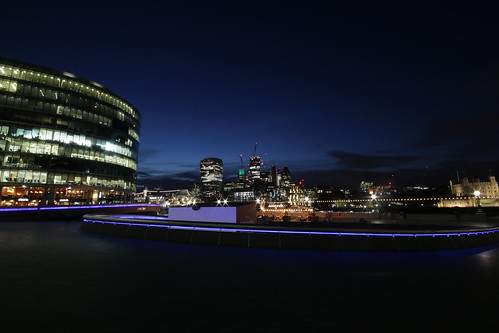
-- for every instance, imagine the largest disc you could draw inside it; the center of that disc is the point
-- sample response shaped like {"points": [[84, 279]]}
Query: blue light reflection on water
{"points": [[123, 284]]}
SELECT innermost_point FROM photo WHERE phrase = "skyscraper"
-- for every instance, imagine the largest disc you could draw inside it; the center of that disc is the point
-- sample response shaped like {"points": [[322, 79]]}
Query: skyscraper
{"points": [[285, 177], [211, 170], [241, 174], [254, 169], [275, 176]]}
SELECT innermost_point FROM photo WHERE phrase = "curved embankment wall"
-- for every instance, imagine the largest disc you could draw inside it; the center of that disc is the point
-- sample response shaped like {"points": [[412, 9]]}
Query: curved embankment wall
{"points": [[284, 237]]}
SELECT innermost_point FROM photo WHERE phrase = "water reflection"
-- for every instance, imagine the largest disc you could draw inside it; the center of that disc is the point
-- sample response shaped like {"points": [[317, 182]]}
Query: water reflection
{"points": [[96, 282]]}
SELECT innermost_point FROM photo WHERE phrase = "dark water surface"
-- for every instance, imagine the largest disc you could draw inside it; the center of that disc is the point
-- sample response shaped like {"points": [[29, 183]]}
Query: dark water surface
{"points": [[52, 276]]}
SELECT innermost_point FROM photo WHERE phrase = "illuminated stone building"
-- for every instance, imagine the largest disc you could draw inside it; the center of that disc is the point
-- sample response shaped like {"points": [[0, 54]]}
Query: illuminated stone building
{"points": [[211, 170], [63, 139], [466, 188]]}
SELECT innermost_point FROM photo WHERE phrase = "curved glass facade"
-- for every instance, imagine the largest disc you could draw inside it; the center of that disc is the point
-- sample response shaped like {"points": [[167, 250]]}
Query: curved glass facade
{"points": [[63, 139], [211, 170]]}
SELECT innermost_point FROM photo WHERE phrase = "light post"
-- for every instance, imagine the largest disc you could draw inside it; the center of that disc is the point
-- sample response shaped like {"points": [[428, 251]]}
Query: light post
{"points": [[310, 209], [477, 199], [375, 207]]}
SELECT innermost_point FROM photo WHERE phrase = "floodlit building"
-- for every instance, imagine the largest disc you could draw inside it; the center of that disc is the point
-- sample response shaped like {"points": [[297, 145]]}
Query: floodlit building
{"points": [[63, 139], [466, 188], [211, 170], [473, 193]]}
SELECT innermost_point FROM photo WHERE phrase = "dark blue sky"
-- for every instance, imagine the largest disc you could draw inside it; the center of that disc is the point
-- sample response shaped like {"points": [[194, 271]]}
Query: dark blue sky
{"points": [[338, 93]]}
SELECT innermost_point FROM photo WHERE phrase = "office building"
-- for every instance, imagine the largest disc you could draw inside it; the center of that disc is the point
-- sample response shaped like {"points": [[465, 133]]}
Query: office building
{"points": [[211, 170], [286, 177], [63, 139], [254, 169]]}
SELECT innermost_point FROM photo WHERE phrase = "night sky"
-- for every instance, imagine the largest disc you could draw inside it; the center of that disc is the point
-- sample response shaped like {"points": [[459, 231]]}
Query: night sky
{"points": [[339, 93]]}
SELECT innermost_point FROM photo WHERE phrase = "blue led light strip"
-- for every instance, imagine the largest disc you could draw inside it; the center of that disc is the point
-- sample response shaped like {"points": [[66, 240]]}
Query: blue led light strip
{"points": [[332, 233], [25, 209], [93, 206], [17, 209]]}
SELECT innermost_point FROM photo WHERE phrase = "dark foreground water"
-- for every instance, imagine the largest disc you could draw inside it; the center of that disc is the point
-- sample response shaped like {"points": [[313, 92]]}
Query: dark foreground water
{"points": [[52, 276]]}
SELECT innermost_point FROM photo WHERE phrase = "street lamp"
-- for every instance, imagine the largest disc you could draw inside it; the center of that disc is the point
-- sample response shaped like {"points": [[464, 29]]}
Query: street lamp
{"points": [[375, 206], [477, 198]]}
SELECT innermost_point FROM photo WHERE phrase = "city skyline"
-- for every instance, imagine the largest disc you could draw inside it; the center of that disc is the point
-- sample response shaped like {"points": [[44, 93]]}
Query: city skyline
{"points": [[338, 93]]}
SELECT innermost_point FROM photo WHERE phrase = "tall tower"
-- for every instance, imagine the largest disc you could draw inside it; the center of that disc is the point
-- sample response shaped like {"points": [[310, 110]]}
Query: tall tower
{"points": [[211, 170], [285, 177], [254, 169], [275, 176], [241, 175]]}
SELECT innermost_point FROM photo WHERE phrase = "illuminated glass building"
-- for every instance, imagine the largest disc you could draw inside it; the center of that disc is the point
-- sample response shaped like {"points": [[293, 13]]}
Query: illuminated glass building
{"points": [[63, 139], [286, 177], [241, 174], [254, 169], [211, 170]]}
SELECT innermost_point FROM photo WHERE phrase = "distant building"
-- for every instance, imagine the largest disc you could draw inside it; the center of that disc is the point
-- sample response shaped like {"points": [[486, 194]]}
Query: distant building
{"points": [[265, 177], [380, 190], [241, 176], [254, 169], [275, 176], [488, 189], [464, 194], [296, 195], [211, 170], [285, 177], [233, 186], [365, 186], [273, 187], [180, 197], [242, 195]]}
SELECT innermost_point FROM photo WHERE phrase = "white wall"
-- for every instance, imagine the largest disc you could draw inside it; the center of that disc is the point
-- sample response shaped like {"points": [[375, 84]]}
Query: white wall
{"points": [[203, 214]]}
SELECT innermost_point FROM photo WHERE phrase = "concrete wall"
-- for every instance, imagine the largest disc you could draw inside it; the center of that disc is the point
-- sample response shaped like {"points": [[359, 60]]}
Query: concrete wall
{"points": [[281, 238]]}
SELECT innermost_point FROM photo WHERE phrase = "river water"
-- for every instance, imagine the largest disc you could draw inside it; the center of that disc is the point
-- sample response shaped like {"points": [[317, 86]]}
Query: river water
{"points": [[55, 277]]}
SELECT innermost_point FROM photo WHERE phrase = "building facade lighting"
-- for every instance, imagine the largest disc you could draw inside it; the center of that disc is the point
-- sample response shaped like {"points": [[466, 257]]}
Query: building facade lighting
{"points": [[58, 130]]}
